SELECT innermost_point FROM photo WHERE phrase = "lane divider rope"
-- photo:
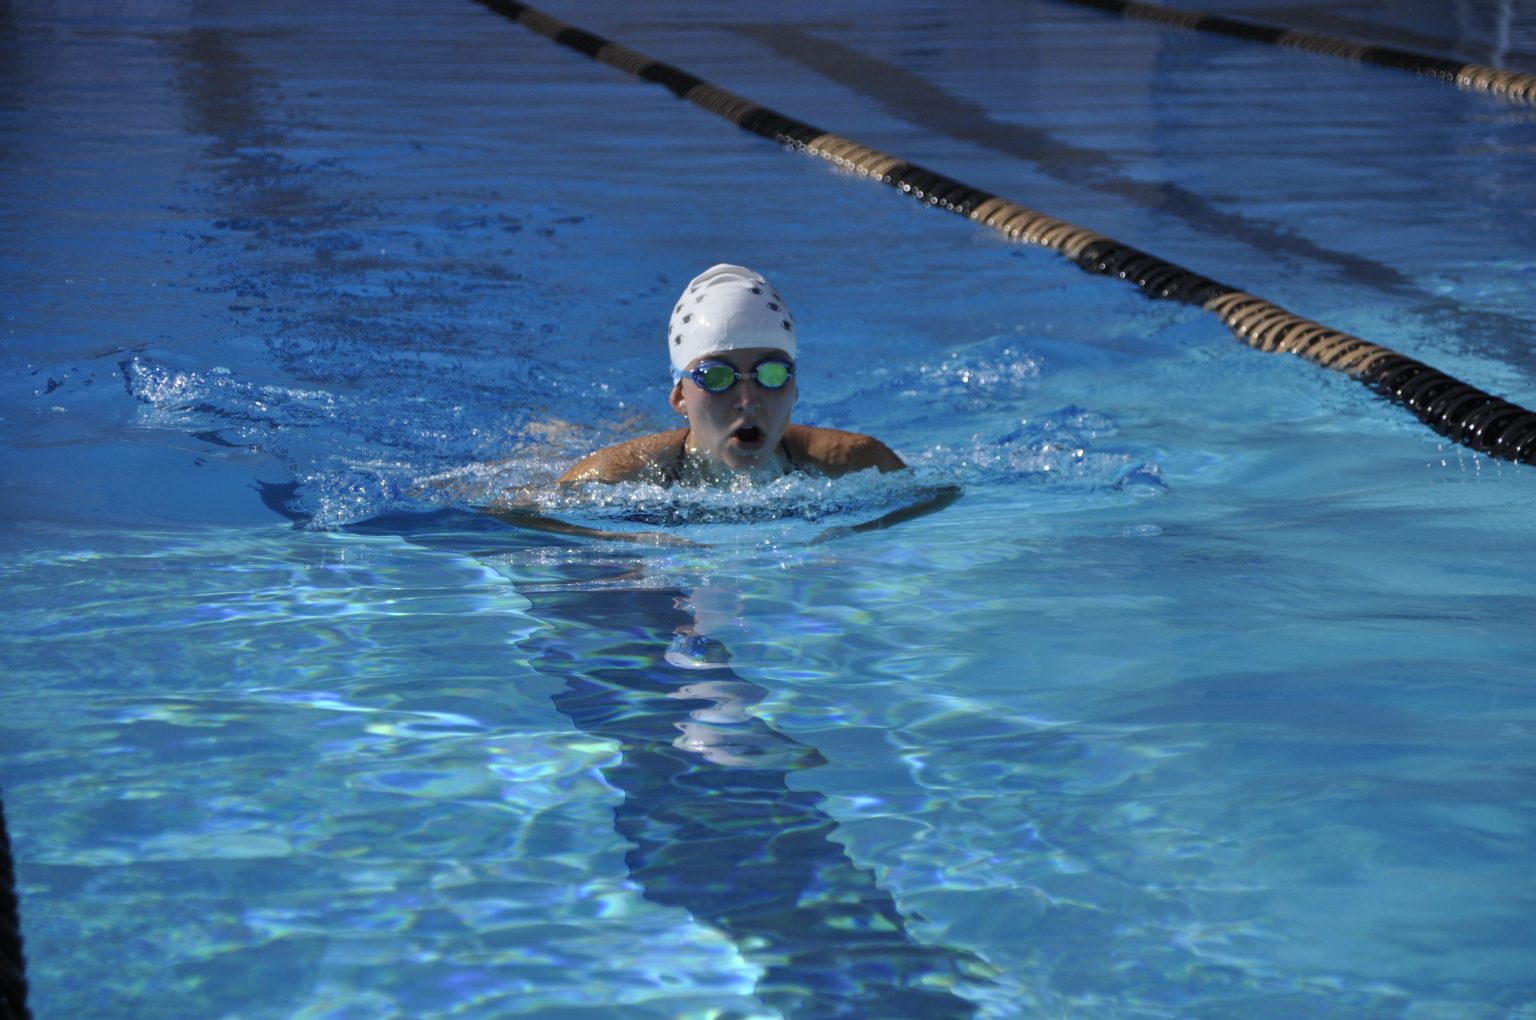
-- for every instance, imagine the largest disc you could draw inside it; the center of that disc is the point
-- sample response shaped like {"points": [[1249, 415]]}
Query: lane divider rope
{"points": [[1461, 412], [13, 965], [1516, 86]]}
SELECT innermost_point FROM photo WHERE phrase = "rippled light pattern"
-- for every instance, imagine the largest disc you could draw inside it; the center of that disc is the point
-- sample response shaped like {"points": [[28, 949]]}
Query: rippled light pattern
{"points": [[1208, 697]]}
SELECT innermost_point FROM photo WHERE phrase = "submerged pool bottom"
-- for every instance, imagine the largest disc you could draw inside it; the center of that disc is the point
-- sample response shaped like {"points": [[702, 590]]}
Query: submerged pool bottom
{"points": [[464, 771]]}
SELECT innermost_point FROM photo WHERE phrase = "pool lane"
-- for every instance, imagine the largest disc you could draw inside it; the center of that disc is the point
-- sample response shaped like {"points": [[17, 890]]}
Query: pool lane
{"points": [[716, 830]]}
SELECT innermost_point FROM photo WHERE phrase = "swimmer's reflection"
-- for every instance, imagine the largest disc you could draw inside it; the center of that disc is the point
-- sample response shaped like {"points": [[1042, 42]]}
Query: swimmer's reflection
{"points": [[716, 829], [722, 729]]}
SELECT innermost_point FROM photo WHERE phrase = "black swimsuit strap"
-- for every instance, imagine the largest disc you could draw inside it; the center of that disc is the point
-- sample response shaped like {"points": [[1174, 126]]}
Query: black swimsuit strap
{"points": [[784, 446], [674, 473]]}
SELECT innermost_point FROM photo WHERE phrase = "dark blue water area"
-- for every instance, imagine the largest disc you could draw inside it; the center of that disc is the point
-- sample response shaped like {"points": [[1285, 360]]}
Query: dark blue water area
{"points": [[351, 274], [1205, 694]]}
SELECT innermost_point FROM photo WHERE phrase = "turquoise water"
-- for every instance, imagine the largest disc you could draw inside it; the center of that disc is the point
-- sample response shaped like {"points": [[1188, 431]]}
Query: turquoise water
{"points": [[1210, 697]]}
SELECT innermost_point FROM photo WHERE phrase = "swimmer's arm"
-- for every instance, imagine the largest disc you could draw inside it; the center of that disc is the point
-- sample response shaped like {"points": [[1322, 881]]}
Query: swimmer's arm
{"points": [[635, 460], [834, 452], [632, 461], [933, 502], [532, 521], [938, 500]]}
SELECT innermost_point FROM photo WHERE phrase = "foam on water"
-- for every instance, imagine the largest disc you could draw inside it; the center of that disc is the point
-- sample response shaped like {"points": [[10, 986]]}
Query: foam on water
{"points": [[356, 454]]}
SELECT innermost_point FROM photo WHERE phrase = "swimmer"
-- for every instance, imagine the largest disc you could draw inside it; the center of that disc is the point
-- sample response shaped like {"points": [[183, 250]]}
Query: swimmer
{"points": [[732, 346]]}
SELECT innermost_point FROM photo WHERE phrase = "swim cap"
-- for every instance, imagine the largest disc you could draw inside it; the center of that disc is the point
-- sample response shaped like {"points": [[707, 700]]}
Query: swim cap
{"points": [[726, 308]]}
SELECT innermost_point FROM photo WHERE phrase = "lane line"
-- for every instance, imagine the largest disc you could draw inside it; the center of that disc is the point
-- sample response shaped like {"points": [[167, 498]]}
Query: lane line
{"points": [[1455, 409], [1514, 86]]}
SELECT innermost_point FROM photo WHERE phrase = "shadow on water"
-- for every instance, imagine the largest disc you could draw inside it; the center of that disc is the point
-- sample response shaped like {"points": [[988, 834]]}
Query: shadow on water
{"points": [[714, 826]]}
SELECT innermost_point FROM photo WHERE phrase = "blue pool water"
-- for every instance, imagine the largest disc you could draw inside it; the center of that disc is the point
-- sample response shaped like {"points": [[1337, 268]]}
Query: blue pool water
{"points": [[1212, 696]]}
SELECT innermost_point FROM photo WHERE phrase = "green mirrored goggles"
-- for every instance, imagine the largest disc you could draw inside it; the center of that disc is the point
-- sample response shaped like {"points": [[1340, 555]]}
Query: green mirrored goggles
{"points": [[718, 376]]}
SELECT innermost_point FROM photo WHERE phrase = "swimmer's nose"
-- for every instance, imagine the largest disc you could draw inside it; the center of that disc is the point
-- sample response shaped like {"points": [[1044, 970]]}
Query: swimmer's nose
{"points": [[748, 394]]}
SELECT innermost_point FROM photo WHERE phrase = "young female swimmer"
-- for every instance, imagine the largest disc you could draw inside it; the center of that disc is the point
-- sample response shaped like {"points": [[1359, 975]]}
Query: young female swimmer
{"points": [[732, 346]]}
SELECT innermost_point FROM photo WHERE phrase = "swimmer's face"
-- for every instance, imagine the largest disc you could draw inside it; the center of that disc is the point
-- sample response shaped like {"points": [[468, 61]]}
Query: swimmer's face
{"points": [[741, 428]]}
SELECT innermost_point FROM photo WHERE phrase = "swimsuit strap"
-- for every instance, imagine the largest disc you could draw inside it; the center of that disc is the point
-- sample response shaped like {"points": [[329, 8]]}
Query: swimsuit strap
{"points": [[674, 474], [784, 446]]}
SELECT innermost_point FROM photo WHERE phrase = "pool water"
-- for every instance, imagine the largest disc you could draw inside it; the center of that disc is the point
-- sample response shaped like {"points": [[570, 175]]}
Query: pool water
{"points": [[1211, 696]]}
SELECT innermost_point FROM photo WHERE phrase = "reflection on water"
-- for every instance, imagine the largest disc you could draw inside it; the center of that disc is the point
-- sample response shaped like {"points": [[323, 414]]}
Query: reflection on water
{"points": [[716, 831]]}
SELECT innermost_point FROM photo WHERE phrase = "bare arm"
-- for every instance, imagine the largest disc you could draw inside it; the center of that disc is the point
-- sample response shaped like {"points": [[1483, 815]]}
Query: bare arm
{"points": [[935, 500], [534, 521], [834, 452], [636, 460], [639, 459]]}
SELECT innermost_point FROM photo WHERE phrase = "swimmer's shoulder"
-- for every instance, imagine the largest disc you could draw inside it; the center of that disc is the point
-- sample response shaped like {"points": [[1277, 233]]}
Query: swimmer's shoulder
{"points": [[648, 458], [834, 452]]}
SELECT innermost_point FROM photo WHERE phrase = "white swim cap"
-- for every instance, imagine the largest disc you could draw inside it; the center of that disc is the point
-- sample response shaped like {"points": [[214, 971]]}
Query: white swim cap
{"points": [[727, 308]]}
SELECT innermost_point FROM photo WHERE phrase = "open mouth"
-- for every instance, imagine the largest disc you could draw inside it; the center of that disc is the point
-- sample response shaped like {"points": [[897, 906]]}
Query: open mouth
{"points": [[747, 435]]}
